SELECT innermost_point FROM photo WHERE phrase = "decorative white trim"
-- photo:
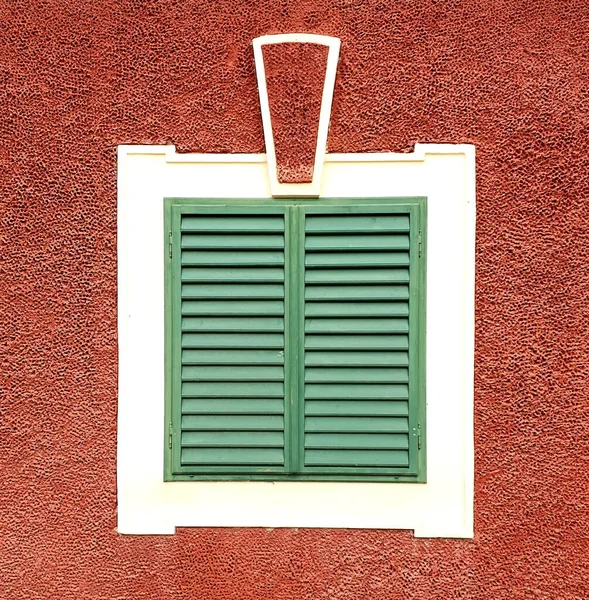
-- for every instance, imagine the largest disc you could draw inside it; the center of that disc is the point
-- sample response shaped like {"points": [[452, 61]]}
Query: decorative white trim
{"points": [[442, 507], [297, 190]]}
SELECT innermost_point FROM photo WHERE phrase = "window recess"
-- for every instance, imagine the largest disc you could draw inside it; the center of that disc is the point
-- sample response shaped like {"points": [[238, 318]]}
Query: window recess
{"points": [[295, 339]]}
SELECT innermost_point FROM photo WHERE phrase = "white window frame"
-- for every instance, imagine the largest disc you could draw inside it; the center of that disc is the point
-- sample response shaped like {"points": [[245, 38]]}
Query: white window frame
{"points": [[442, 507]]}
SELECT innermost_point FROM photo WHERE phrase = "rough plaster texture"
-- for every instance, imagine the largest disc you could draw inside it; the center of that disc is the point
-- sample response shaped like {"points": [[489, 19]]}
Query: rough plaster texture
{"points": [[76, 79], [295, 75]]}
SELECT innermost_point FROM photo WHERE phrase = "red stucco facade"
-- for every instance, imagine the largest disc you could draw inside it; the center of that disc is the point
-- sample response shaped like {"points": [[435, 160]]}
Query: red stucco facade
{"points": [[79, 79]]}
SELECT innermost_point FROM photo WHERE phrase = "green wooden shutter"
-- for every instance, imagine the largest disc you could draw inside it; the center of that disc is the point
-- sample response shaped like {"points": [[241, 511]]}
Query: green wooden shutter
{"points": [[228, 351], [295, 339], [361, 336]]}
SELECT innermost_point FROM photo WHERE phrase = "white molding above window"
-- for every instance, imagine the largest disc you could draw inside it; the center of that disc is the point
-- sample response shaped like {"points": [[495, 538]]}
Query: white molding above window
{"points": [[442, 507], [313, 188]]}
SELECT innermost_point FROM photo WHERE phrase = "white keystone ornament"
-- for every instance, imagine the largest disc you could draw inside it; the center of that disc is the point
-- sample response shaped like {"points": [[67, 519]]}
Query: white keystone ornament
{"points": [[301, 190]]}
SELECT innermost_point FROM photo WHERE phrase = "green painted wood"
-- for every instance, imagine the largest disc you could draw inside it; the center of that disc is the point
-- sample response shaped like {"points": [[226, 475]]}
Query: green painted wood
{"points": [[358, 223], [230, 242], [232, 423], [232, 456], [356, 424], [233, 357], [356, 259], [233, 340], [295, 301], [232, 373], [233, 439], [355, 408], [173, 427], [357, 242], [355, 457], [417, 421], [232, 307], [172, 401], [207, 258], [298, 334], [232, 389], [350, 307], [365, 441], [233, 324], [355, 359], [232, 274], [360, 325], [356, 375], [357, 342], [344, 292], [224, 223], [357, 309], [232, 406], [357, 276], [356, 391], [232, 328], [235, 291]]}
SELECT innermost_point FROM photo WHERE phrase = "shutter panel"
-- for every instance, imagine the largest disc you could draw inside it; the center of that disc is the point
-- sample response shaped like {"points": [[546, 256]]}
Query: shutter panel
{"points": [[231, 326], [357, 411], [295, 340]]}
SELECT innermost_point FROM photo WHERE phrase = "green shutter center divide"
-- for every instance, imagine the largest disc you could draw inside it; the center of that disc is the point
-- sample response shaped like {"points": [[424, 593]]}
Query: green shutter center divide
{"points": [[295, 339]]}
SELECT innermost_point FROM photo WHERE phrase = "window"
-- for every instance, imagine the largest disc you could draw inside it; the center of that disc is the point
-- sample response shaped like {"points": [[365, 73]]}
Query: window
{"points": [[442, 506], [295, 339]]}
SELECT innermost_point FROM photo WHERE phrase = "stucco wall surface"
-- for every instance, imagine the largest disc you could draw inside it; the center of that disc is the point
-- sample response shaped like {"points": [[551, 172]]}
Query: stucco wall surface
{"points": [[79, 78]]}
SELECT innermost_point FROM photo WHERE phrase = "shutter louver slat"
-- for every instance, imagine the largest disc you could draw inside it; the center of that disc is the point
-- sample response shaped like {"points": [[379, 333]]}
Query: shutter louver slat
{"points": [[232, 373], [356, 424], [232, 273], [329, 293], [229, 258], [356, 340], [346, 408], [354, 391], [230, 241], [232, 308], [357, 309], [232, 357], [231, 439], [232, 224], [327, 325], [366, 441], [355, 359], [224, 406], [359, 458], [226, 274], [359, 224], [233, 340], [232, 456], [356, 259], [364, 375], [232, 291], [358, 243], [241, 423], [236, 324]]}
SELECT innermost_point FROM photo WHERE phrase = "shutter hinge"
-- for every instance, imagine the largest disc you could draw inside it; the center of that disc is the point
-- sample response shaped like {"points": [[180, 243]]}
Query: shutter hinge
{"points": [[170, 244], [420, 245], [170, 436], [418, 436]]}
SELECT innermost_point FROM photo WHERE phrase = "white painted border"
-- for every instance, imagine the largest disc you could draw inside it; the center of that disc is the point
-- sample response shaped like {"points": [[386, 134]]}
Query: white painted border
{"points": [[443, 507], [298, 190]]}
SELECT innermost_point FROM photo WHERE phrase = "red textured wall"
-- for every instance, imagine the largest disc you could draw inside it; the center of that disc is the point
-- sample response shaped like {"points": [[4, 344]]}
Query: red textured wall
{"points": [[79, 78], [295, 76]]}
